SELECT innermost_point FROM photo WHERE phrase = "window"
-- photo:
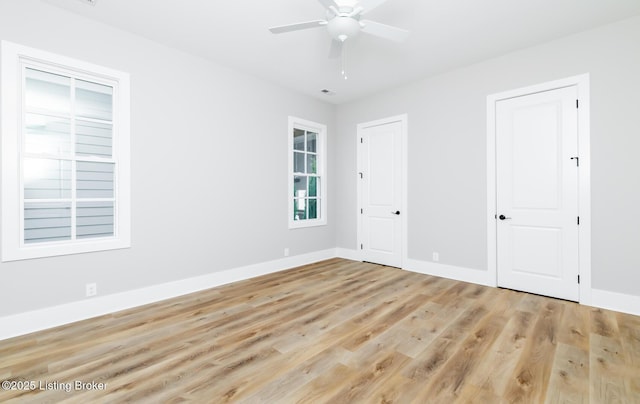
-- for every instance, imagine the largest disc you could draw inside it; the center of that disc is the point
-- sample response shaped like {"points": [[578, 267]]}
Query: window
{"points": [[307, 178], [65, 155]]}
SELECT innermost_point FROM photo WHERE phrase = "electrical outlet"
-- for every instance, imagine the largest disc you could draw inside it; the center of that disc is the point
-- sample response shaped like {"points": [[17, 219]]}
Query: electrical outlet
{"points": [[286, 252], [436, 257], [92, 289]]}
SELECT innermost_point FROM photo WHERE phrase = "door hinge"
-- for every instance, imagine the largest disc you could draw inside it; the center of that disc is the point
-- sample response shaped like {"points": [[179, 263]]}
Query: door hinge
{"points": [[578, 220], [361, 211], [577, 103], [361, 140], [577, 159], [578, 278], [361, 175], [361, 247]]}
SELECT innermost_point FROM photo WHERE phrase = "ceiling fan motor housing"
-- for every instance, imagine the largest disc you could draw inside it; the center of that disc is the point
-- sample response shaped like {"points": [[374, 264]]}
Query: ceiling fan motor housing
{"points": [[343, 27]]}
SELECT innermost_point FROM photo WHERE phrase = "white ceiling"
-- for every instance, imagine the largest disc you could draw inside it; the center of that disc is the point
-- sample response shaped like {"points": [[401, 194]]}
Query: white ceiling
{"points": [[445, 34]]}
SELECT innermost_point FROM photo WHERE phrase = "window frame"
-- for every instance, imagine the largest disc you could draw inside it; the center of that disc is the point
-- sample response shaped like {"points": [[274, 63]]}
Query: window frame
{"points": [[15, 59], [321, 171]]}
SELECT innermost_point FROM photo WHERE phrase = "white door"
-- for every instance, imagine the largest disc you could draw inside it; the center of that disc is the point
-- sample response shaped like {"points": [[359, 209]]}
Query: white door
{"points": [[537, 193], [380, 171]]}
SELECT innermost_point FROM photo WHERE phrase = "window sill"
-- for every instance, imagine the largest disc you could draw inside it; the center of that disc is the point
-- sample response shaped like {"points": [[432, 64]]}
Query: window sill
{"points": [[307, 223]]}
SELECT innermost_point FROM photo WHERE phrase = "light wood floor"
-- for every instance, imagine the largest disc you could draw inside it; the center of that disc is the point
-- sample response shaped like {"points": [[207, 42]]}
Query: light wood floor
{"points": [[338, 332]]}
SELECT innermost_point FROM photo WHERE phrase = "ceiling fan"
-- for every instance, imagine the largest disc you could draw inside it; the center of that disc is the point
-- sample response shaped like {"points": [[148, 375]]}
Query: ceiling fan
{"points": [[344, 21]]}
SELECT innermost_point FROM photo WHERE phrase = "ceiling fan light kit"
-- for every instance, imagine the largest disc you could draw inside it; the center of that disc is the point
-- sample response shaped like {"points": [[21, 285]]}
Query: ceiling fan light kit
{"points": [[343, 22], [342, 28]]}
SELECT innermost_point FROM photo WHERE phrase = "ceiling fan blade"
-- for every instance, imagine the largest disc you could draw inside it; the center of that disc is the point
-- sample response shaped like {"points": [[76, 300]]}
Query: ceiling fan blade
{"points": [[328, 3], [385, 31], [297, 26], [336, 49], [369, 5]]}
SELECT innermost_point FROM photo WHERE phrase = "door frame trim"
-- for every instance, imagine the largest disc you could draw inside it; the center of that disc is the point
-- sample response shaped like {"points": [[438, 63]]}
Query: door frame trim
{"points": [[584, 177], [403, 119]]}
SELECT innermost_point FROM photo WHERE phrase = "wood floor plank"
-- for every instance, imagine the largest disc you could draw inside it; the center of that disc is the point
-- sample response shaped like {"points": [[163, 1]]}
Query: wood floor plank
{"points": [[473, 394], [608, 370], [497, 368], [530, 379], [279, 388], [574, 327], [569, 382], [604, 322], [321, 388], [427, 365], [337, 331], [460, 367], [629, 327], [357, 387]]}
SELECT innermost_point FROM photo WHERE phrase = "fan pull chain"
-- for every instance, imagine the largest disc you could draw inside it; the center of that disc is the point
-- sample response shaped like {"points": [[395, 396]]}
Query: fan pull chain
{"points": [[343, 59]]}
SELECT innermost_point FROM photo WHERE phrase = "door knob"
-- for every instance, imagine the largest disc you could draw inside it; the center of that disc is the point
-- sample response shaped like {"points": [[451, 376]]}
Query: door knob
{"points": [[503, 217], [397, 212]]}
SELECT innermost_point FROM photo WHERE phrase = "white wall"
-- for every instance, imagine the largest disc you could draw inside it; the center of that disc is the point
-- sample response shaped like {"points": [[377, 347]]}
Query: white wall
{"points": [[447, 161], [209, 161]]}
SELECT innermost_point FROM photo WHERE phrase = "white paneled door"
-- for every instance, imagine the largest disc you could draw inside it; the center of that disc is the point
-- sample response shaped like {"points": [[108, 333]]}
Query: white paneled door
{"points": [[537, 193], [380, 171]]}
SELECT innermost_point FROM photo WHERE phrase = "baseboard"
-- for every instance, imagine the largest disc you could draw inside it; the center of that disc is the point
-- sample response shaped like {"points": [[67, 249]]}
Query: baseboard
{"points": [[448, 271], [37, 320], [615, 301], [430, 268]]}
